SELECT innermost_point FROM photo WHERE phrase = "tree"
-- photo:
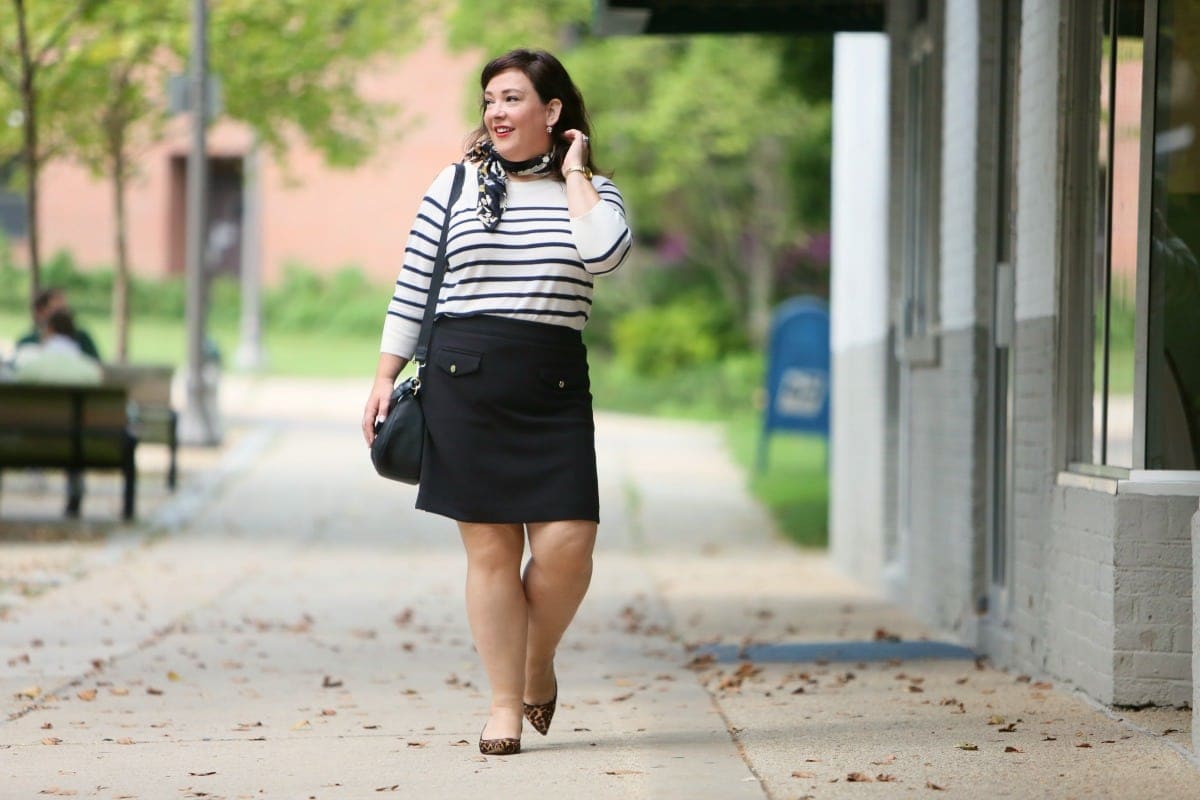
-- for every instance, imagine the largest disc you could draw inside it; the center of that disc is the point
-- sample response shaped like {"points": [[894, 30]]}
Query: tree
{"points": [[117, 113], [723, 139], [44, 37], [293, 68]]}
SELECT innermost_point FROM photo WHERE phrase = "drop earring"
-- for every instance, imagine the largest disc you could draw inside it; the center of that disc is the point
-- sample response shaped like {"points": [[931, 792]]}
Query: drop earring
{"points": [[549, 129]]}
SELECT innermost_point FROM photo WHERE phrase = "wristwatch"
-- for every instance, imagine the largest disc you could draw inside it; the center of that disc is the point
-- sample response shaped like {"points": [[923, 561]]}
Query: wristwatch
{"points": [[587, 173]]}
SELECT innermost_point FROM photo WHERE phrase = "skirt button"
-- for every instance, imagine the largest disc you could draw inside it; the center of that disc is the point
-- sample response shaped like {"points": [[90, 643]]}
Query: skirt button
{"points": [[453, 368], [562, 384]]}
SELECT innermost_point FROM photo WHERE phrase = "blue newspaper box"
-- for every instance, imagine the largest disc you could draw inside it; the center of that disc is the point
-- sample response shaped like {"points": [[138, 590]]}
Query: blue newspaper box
{"points": [[798, 378]]}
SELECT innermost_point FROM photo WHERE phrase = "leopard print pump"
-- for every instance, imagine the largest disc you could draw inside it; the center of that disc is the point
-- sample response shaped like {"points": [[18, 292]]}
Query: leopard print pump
{"points": [[499, 747], [540, 714]]}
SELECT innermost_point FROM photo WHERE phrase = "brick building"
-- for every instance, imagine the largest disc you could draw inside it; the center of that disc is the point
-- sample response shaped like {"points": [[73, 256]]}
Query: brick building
{"points": [[313, 214], [1016, 320]]}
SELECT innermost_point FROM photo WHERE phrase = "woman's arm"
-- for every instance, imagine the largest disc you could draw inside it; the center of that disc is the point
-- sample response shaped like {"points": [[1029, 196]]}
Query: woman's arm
{"points": [[386, 372]]}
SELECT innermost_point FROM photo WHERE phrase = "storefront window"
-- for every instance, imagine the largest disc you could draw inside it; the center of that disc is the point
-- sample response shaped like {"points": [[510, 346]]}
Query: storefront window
{"points": [[1116, 258], [1173, 309]]}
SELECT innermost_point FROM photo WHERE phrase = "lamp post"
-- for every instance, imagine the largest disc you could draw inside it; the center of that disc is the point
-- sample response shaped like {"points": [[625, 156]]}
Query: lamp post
{"points": [[199, 423]]}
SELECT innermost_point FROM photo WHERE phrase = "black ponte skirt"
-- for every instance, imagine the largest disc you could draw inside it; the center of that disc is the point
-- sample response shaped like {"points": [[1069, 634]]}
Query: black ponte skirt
{"points": [[508, 411]]}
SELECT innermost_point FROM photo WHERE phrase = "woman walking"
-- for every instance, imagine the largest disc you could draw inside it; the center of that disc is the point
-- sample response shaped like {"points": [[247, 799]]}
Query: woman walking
{"points": [[510, 451]]}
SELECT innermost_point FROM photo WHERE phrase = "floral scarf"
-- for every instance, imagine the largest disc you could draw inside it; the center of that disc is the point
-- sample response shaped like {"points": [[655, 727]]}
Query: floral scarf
{"points": [[493, 179]]}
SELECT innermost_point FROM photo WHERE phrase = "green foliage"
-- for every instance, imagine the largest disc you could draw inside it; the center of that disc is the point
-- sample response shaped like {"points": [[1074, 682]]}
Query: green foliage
{"points": [[795, 485], [711, 391], [661, 340], [294, 66], [343, 302]]}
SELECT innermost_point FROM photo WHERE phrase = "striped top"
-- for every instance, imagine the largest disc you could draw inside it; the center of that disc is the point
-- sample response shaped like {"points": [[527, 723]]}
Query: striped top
{"points": [[537, 265]]}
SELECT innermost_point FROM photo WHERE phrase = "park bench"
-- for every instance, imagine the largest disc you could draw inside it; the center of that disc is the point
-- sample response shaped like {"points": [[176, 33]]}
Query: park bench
{"points": [[151, 417], [76, 428]]}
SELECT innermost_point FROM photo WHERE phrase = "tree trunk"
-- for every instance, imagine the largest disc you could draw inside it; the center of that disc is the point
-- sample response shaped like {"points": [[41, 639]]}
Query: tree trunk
{"points": [[120, 296], [764, 234], [29, 109]]}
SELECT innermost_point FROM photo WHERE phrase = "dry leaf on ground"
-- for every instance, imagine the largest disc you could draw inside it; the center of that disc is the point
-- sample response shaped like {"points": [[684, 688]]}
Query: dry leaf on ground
{"points": [[51, 740], [801, 773], [967, 746], [859, 777], [934, 786], [622, 772], [86, 695]]}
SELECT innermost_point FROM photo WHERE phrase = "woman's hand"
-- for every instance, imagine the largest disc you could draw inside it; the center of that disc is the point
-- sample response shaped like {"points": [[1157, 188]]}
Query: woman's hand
{"points": [[377, 408], [577, 152]]}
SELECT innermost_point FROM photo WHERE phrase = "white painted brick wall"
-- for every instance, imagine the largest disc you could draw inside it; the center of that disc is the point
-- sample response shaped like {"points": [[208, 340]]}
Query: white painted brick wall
{"points": [[1196, 631], [1037, 171], [960, 97], [1153, 600], [945, 547]]}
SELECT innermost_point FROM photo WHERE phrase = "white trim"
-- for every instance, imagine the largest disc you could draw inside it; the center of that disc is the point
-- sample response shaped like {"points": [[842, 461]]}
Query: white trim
{"points": [[1153, 482]]}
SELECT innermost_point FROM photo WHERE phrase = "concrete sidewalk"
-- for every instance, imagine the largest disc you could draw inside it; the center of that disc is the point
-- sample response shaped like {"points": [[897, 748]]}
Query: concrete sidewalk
{"points": [[303, 635]]}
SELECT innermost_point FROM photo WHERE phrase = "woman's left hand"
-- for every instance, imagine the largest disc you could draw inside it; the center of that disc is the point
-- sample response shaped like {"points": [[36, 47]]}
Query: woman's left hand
{"points": [[577, 152]]}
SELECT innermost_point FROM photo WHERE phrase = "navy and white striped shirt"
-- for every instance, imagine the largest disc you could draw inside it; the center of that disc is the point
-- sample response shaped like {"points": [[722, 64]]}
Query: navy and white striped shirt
{"points": [[537, 265]]}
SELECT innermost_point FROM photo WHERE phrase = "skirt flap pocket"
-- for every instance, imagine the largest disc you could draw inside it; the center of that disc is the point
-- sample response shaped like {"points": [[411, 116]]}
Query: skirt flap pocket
{"points": [[457, 362]]}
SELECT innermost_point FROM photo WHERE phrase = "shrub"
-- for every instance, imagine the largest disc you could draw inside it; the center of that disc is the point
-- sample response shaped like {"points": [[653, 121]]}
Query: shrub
{"points": [[658, 341]]}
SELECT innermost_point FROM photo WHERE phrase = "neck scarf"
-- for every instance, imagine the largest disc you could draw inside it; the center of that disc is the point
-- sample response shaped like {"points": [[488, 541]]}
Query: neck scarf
{"points": [[494, 170]]}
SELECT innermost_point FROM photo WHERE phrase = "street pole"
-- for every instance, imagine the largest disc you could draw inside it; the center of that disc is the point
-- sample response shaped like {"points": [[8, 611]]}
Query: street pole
{"points": [[250, 353], [198, 423]]}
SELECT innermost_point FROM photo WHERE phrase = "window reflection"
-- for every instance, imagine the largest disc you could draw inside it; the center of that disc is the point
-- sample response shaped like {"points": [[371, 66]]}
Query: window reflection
{"points": [[1173, 348]]}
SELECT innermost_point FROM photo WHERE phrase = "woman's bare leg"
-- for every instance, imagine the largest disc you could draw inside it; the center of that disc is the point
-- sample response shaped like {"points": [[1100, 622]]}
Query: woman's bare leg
{"points": [[556, 579], [497, 611]]}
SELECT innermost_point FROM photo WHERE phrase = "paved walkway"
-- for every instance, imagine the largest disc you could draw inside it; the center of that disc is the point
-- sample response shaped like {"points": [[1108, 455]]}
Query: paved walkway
{"points": [[294, 629]]}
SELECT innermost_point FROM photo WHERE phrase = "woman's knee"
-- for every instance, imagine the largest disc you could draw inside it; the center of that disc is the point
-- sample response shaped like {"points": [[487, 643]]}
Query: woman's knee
{"points": [[493, 548], [564, 549]]}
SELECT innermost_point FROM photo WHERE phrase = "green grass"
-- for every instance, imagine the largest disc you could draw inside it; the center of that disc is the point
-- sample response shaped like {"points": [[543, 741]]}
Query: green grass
{"points": [[162, 341], [795, 484]]}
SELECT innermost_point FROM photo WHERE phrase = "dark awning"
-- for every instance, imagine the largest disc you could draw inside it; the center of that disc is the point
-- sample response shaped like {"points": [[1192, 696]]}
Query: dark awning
{"points": [[616, 17]]}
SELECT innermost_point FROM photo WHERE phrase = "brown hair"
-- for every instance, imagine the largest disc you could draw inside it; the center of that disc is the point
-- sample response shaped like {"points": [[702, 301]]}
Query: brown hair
{"points": [[61, 322], [551, 81]]}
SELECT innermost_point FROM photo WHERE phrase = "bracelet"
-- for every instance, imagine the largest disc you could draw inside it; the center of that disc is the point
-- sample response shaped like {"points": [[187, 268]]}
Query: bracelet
{"points": [[587, 173]]}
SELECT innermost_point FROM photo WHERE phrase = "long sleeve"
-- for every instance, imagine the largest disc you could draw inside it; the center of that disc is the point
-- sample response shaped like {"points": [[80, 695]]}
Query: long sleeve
{"points": [[402, 325], [602, 235]]}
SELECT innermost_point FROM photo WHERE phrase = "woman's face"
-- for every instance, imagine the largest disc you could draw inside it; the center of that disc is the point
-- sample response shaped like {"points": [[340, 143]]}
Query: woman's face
{"points": [[516, 118]]}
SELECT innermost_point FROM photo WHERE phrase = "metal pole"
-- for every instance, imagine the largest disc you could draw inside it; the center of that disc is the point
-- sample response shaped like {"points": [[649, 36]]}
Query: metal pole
{"points": [[197, 424], [250, 353]]}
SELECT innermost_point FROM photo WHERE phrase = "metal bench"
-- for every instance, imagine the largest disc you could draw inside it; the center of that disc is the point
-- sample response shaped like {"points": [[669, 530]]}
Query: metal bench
{"points": [[151, 417], [68, 427]]}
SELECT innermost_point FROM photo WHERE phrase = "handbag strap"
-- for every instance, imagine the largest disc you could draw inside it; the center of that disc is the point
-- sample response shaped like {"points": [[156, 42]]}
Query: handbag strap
{"points": [[439, 273]]}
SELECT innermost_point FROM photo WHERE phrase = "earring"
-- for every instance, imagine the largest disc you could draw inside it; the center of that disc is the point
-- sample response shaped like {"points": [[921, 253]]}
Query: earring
{"points": [[549, 129]]}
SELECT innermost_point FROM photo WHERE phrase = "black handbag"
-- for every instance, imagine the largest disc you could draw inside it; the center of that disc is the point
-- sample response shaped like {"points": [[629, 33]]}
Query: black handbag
{"points": [[400, 438]]}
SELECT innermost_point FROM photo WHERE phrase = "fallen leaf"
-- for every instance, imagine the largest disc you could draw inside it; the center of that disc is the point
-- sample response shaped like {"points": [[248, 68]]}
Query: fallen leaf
{"points": [[371, 727], [31, 693], [1083, 744], [57, 792], [391, 788], [800, 773], [124, 740], [330, 683], [119, 691], [152, 690], [995, 719], [203, 774], [1011, 749], [890, 759], [1169, 731], [934, 786], [1009, 728], [1023, 679], [87, 695], [301, 725], [1049, 739], [51, 740], [622, 772], [859, 777], [701, 661], [460, 743], [173, 676], [1042, 685], [886, 777], [884, 635], [621, 698], [417, 744], [328, 712], [967, 746]]}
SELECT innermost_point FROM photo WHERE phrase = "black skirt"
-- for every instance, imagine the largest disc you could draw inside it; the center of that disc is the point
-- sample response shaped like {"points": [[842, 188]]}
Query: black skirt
{"points": [[508, 412]]}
